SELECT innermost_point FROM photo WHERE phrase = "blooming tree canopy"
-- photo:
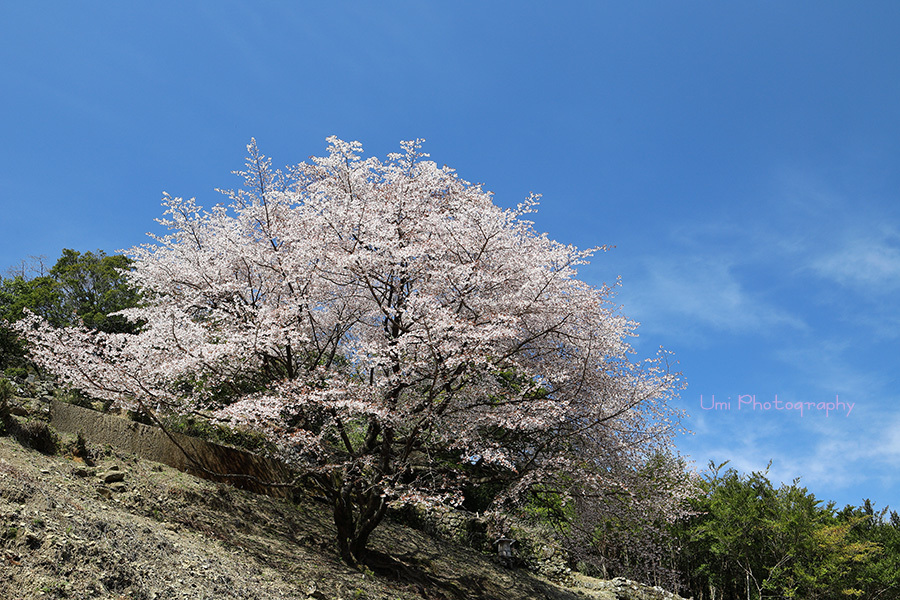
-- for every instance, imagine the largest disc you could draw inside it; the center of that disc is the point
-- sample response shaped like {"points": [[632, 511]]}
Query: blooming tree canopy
{"points": [[393, 330]]}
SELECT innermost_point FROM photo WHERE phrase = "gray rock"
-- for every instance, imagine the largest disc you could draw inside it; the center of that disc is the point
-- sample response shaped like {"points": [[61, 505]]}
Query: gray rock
{"points": [[113, 476]]}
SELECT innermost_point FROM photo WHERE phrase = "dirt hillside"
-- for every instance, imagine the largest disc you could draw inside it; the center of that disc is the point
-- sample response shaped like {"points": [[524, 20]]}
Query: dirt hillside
{"points": [[120, 527]]}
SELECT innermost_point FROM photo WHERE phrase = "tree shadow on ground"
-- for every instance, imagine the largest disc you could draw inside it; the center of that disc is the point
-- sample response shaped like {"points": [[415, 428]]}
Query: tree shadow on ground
{"points": [[431, 578]]}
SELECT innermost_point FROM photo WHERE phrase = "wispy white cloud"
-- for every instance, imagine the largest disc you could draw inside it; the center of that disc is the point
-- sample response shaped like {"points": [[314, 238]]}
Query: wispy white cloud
{"points": [[699, 295], [837, 458], [829, 365], [838, 235], [802, 298], [869, 261], [856, 454]]}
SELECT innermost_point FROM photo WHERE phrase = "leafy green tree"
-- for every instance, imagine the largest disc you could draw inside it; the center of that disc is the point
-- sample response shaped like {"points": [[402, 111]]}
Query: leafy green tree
{"points": [[39, 295], [12, 350], [91, 286], [6, 393], [748, 539], [16, 294], [733, 532], [78, 288], [878, 574]]}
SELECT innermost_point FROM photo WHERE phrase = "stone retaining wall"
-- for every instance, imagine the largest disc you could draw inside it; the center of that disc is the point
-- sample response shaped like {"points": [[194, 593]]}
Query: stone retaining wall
{"points": [[152, 443]]}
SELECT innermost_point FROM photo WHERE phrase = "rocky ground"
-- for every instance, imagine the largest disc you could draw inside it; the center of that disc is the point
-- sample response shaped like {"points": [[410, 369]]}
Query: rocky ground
{"points": [[119, 527]]}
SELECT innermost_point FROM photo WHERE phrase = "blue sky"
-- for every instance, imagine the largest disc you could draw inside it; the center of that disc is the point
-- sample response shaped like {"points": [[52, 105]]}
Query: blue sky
{"points": [[742, 157]]}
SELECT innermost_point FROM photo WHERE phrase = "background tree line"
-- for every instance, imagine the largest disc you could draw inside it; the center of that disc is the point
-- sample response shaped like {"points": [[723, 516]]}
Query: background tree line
{"points": [[743, 537], [749, 539]]}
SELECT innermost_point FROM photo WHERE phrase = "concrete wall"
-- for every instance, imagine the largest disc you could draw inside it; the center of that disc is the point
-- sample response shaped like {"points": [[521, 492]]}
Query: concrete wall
{"points": [[203, 459]]}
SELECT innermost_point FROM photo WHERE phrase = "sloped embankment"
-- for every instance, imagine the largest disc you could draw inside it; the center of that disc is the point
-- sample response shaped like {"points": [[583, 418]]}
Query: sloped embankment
{"points": [[130, 528]]}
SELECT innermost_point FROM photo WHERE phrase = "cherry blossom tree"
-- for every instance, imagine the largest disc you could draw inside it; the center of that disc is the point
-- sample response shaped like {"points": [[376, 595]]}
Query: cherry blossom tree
{"points": [[396, 333]]}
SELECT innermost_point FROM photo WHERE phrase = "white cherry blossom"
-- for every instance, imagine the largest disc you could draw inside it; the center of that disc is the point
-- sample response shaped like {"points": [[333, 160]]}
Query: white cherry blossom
{"points": [[397, 333]]}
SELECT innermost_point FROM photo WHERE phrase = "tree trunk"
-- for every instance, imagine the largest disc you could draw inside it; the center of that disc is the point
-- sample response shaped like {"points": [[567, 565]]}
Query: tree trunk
{"points": [[359, 503], [353, 530]]}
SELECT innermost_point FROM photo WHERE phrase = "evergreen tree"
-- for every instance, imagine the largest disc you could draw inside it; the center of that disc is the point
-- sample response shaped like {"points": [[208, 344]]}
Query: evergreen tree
{"points": [[79, 288]]}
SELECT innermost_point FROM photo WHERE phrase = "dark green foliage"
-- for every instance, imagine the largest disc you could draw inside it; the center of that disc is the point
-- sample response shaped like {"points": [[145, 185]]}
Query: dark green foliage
{"points": [[79, 288], [478, 497], [91, 286], [40, 295], [19, 373], [220, 434], [6, 391], [547, 505], [748, 539], [12, 348], [6, 394]]}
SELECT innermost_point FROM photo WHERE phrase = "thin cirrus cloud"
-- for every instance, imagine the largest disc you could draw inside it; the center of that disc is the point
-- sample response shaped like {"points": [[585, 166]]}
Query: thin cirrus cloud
{"points": [[865, 265], [695, 295], [889, 447], [856, 458], [870, 259], [828, 364], [822, 454]]}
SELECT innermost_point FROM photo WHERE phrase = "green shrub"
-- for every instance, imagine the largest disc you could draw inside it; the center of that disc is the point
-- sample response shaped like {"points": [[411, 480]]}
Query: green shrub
{"points": [[7, 390], [19, 373], [244, 439]]}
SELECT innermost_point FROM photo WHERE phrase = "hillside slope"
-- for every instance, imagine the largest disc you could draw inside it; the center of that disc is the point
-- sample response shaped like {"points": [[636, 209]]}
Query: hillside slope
{"points": [[128, 528]]}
